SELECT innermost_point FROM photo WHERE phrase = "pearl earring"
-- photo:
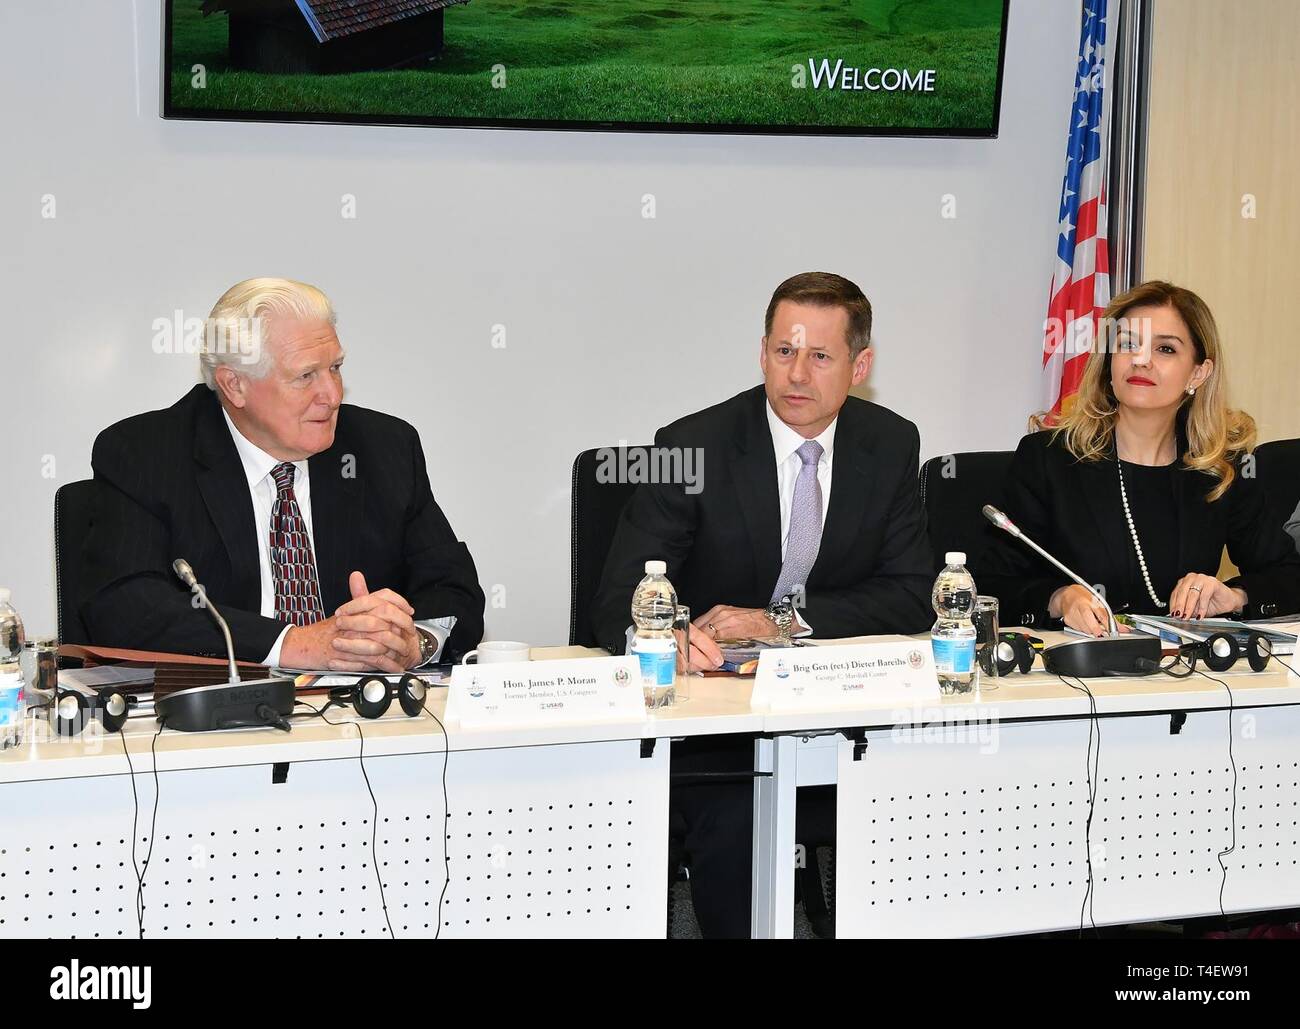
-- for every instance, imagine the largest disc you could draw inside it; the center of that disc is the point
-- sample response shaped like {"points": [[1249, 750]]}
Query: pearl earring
{"points": [[1191, 391]]}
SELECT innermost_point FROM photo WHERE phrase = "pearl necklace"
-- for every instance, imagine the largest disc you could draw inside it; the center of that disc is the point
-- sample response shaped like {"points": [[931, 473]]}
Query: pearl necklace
{"points": [[1132, 531]]}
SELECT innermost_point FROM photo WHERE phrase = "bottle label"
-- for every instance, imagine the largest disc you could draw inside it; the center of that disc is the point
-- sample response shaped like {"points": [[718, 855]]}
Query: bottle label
{"points": [[953, 656], [12, 707], [658, 660]]}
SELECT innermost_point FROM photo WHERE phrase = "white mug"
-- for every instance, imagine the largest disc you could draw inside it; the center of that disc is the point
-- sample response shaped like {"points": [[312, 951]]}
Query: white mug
{"points": [[497, 651]]}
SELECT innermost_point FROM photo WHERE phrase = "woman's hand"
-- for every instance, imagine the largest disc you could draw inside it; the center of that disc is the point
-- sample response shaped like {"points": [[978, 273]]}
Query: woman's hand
{"points": [[1080, 610], [1204, 596]]}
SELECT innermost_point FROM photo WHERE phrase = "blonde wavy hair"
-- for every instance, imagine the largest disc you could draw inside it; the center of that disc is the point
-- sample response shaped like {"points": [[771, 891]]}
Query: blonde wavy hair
{"points": [[1216, 433]]}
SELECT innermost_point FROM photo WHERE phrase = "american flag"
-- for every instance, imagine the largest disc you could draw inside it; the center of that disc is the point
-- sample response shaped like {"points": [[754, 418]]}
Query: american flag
{"points": [[1081, 283]]}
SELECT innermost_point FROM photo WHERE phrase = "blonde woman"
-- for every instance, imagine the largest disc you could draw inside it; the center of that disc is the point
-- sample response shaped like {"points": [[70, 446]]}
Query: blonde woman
{"points": [[1142, 484]]}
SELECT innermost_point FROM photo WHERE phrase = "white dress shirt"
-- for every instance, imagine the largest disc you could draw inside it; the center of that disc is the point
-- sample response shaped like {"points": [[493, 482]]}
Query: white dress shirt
{"points": [[785, 446], [258, 465]]}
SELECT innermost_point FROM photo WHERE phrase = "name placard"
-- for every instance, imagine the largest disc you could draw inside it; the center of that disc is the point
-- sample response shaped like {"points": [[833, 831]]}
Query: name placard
{"points": [[891, 670], [543, 692]]}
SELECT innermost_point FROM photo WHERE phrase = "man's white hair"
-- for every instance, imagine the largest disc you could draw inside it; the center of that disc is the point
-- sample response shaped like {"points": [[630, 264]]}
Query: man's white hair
{"points": [[236, 331]]}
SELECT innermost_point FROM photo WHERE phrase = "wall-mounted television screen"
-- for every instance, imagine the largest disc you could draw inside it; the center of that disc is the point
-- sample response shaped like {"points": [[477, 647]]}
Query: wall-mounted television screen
{"points": [[857, 67]]}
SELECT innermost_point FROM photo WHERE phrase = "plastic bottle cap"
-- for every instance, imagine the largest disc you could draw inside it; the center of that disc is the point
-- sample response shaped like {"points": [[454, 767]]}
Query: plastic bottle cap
{"points": [[656, 568], [955, 557]]}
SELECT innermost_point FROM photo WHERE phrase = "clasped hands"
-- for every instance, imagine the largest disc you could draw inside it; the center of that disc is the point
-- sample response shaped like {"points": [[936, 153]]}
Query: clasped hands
{"points": [[371, 632], [1195, 595]]}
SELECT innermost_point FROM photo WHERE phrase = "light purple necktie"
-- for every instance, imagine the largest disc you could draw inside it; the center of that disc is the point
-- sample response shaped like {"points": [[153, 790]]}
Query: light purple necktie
{"points": [[805, 537]]}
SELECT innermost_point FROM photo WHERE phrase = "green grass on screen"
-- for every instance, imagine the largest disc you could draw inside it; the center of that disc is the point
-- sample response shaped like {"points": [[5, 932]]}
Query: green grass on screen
{"points": [[673, 61]]}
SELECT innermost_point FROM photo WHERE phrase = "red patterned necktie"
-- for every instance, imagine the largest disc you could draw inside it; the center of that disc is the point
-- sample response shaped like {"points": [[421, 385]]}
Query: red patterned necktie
{"points": [[297, 592]]}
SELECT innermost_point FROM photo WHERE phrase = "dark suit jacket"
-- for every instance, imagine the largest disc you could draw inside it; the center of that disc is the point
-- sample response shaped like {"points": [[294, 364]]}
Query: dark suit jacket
{"points": [[723, 544], [170, 484], [1073, 509]]}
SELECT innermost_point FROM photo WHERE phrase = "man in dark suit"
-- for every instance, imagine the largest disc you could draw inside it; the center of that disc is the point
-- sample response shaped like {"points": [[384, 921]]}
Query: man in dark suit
{"points": [[288, 504], [808, 521]]}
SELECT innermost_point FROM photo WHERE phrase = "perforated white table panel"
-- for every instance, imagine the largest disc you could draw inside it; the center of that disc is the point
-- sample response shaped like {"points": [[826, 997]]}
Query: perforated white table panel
{"points": [[550, 841], [971, 830]]}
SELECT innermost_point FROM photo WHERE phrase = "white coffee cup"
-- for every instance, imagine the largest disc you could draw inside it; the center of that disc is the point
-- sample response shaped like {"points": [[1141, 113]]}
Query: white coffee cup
{"points": [[496, 652]]}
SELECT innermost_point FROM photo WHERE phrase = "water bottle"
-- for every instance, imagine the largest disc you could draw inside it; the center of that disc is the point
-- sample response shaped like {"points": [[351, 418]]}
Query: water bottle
{"points": [[13, 707], [953, 635], [654, 604]]}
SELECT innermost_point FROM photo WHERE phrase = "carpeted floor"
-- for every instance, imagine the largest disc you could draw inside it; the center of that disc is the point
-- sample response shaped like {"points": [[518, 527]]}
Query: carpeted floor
{"points": [[684, 926]]}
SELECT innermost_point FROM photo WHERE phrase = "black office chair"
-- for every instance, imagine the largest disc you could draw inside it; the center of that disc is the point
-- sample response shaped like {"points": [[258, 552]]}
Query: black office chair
{"points": [[1277, 466], [596, 509], [954, 489], [72, 520]]}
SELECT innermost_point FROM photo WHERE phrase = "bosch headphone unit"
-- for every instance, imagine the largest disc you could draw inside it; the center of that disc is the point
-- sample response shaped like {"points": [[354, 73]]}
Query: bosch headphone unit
{"points": [[1014, 651], [371, 696], [72, 709]]}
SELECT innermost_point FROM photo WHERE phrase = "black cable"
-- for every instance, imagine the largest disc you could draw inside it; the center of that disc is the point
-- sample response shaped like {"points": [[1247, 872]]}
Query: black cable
{"points": [[1091, 766], [1284, 664], [153, 823], [446, 804], [140, 873], [1087, 841], [1092, 805], [1178, 659], [374, 836], [446, 816], [1232, 761], [135, 820]]}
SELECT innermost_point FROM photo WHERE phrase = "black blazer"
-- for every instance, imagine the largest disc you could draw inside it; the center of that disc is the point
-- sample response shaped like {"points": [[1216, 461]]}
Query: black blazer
{"points": [[723, 544], [170, 484], [1073, 509]]}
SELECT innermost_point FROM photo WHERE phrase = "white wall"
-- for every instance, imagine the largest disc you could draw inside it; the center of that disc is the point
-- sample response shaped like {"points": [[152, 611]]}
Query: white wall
{"points": [[615, 324]]}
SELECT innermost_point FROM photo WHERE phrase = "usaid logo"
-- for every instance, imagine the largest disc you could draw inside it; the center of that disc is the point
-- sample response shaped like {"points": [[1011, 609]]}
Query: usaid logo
{"points": [[118, 982]]}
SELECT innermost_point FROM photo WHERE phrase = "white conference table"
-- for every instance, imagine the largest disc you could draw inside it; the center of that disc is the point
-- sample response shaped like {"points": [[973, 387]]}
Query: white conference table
{"points": [[561, 830], [557, 830], [970, 816]]}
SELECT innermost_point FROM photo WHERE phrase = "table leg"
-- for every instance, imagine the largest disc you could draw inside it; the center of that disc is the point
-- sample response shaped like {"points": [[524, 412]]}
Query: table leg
{"points": [[774, 819]]}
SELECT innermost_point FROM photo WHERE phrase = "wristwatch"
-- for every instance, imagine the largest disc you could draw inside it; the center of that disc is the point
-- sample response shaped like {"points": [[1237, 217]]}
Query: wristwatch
{"points": [[782, 613], [428, 646]]}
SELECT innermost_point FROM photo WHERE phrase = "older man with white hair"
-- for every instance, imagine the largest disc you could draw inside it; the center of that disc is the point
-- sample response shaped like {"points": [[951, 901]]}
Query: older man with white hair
{"points": [[310, 522]]}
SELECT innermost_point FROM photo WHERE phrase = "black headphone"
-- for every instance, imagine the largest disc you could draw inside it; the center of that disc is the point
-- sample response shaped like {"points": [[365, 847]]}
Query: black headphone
{"points": [[1222, 650], [1219, 652], [1014, 650], [371, 695], [71, 710]]}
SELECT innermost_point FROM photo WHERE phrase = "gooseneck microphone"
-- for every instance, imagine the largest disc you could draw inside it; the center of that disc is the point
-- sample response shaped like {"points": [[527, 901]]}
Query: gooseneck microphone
{"points": [[1113, 654], [1004, 523], [229, 705], [186, 574]]}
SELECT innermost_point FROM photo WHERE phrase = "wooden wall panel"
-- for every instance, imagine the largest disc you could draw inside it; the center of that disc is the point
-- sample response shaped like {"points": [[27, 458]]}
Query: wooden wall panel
{"points": [[1225, 128]]}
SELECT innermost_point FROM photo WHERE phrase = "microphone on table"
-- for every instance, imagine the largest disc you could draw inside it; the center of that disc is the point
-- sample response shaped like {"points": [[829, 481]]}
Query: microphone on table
{"points": [[229, 705], [182, 568], [1113, 654]]}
